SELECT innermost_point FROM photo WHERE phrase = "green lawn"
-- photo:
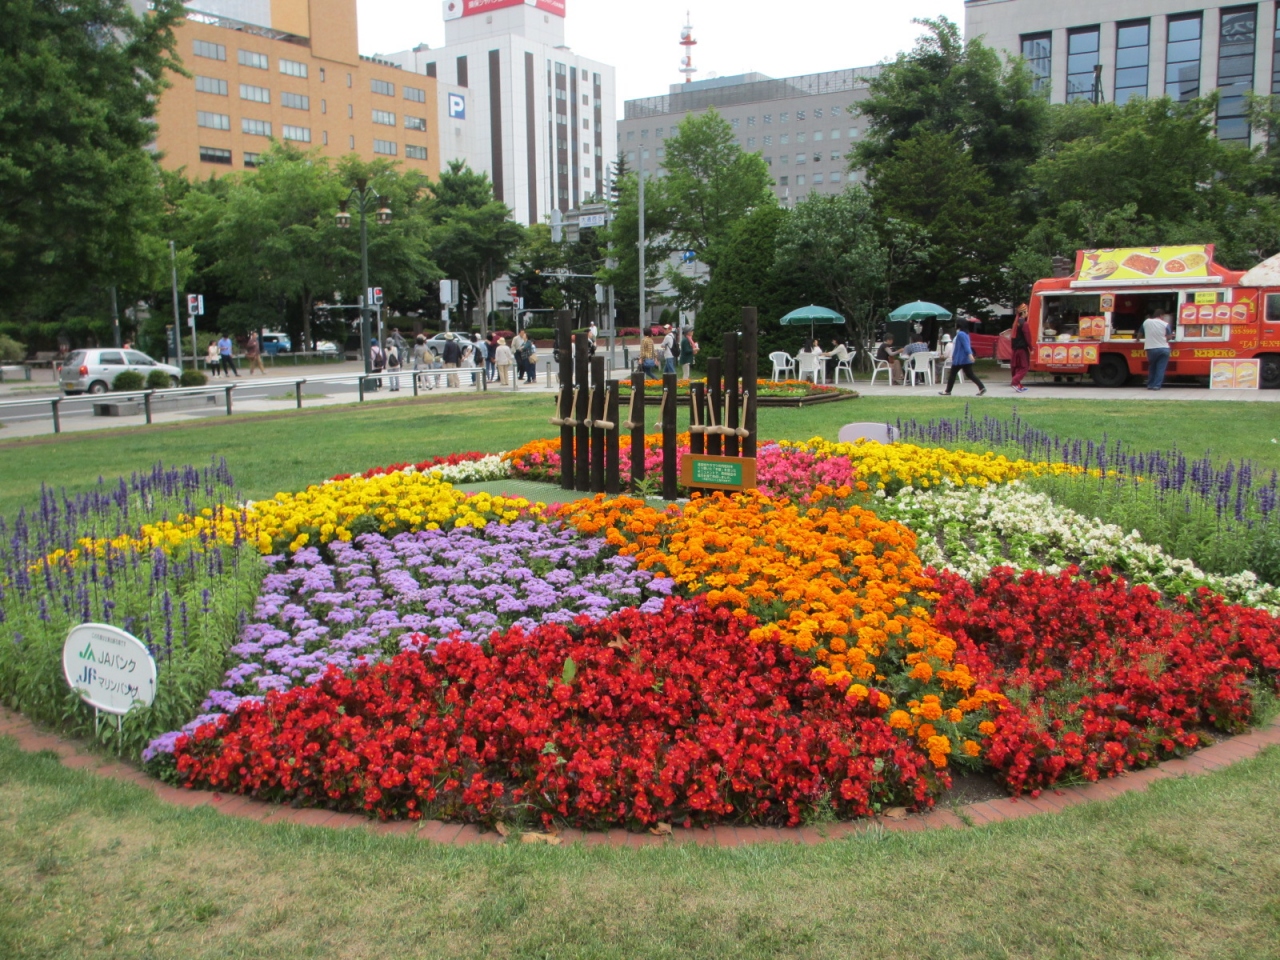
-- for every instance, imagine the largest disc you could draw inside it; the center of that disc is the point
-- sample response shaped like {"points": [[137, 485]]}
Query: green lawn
{"points": [[91, 868], [286, 451]]}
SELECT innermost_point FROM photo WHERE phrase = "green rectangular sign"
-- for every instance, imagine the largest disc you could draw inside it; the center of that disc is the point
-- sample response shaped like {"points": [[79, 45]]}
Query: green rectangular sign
{"points": [[717, 471]]}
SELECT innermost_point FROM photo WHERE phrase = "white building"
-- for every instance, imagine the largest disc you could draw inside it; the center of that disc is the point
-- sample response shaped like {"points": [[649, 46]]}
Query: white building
{"points": [[1116, 49], [519, 105], [803, 127]]}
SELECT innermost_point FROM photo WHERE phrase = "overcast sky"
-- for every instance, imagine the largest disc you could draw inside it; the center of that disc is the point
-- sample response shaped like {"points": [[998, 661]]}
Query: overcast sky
{"points": [[780, 38]]}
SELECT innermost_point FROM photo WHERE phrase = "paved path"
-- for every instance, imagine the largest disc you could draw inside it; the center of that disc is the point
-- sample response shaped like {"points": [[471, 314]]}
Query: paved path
{"points": [[78, 755]]}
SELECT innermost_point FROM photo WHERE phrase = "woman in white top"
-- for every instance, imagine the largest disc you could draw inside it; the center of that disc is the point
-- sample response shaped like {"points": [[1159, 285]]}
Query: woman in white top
{"points": [[808, 360], [504, 358], [469, 361]]}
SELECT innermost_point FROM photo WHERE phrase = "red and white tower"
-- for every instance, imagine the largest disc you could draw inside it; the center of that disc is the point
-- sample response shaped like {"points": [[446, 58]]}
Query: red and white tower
{"points": [[687, 41]]}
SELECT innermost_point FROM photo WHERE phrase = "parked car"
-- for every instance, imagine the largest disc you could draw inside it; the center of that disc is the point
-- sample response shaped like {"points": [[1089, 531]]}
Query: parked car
{"points": [[93, 371], [273, 342], [326, 347]]}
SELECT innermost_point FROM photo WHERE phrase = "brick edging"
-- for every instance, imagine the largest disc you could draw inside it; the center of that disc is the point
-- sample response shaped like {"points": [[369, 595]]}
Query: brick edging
{"points": [[73, 754]]}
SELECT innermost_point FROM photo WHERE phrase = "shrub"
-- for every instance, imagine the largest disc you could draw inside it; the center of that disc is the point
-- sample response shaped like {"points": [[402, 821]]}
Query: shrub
{"points": [[541, 333], [127, 381], [158, 380], [193, 378], [11, 351]]}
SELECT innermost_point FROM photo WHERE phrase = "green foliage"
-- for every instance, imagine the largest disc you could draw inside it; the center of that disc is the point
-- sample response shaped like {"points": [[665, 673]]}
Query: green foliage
{"points": [[11, 351], [79, 194], [128, 381], [622, 236], [540, 333], [158, 380], [193, 378]]}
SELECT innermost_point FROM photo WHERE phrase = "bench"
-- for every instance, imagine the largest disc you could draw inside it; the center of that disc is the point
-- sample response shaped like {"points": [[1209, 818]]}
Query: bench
{"points": [[15, 372]]}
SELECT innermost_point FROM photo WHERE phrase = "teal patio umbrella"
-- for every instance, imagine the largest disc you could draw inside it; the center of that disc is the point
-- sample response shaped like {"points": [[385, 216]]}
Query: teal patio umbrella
{"points": [[920, 310], [812, 316]]}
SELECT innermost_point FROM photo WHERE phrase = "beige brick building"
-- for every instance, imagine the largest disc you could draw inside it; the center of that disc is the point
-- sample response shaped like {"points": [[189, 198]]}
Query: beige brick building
{"points": [[289, 70]]}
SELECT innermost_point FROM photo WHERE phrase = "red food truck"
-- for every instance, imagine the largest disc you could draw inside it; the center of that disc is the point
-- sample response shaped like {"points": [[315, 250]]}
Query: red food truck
{"points": [[1090, 323]]}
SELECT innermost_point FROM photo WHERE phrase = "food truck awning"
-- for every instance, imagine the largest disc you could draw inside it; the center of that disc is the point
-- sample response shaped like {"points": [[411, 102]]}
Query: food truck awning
{"points": [[1142, 266], [1265, 274]]}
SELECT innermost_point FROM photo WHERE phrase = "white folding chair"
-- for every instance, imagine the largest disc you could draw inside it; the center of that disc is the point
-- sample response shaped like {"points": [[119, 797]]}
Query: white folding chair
{"points": [[844, 366], [919, 365], [877, 432], [783, 364], [878, 366], [807, 366]]}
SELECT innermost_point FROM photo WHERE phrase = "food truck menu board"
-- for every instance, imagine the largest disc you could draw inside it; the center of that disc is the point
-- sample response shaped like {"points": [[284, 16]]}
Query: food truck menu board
{"points": [[1223, 313], [1234, 374], [1093, 328], [1067, 354], [1143, 263]]}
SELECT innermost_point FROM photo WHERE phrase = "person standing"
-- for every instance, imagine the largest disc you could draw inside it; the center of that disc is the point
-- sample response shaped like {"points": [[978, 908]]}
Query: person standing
{"points": [[503, 359], [228, 362], [648, 357], [1021, 342], [421, 359], [451, 354], [668, 350], [686, 352], [962, 359], [377, 363], [1155, 340], [530, 360], [480, 352], [518, 352], [393, 364], [490, 355], [212, 358], [253, 353]]}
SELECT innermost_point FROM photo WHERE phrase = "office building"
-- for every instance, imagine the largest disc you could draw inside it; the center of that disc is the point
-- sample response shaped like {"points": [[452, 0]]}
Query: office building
{"points": [[804, 127], [1113, 50], [289, 70], [519, 105]]}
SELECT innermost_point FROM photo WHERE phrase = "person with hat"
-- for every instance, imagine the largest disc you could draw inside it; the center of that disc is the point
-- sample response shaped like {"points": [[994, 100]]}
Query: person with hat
{"points": [[668, 349], [421, 359], [503, 358], [451, 353], [393, 363]]}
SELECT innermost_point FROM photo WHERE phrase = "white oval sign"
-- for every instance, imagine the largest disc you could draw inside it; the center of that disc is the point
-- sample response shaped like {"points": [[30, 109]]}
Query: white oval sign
{"points": [[110, 669]]}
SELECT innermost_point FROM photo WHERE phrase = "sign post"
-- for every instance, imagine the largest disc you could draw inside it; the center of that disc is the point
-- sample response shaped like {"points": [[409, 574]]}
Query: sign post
{"points": [[195, 308], [111, 670]]}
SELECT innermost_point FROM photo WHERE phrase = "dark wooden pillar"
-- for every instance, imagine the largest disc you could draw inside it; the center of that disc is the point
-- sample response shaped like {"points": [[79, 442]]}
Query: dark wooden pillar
{"points": [[597, 431], [612, 485], [581, 376], [731, 391], [637, 430], [670, 468], [750, 376], [715, 402], [564, 409]]}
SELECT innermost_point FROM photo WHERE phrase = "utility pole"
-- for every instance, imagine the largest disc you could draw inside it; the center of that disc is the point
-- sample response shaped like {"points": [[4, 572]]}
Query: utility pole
{"points": [[115, 317], [640, 169], [177, 320]]}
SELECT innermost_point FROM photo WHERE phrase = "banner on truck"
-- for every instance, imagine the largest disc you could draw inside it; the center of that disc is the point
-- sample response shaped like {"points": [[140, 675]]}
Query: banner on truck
{"points": [[1143, 263]]}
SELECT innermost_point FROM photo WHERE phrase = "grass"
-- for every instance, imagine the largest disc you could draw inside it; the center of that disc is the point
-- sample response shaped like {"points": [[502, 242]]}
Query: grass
{"points": [[288, 450], [92, 868]]}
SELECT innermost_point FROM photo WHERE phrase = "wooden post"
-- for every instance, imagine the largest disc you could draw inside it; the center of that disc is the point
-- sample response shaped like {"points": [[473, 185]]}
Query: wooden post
{"points": [[670, 468], [714, 403], [597, 432], [637, 430], [581, 413], [750, 376], [698, 404], [612, 484], [564, 408], [731, 391]]}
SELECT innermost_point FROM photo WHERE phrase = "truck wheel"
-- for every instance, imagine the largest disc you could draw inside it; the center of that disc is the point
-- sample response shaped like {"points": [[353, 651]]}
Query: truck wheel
{"points": [[1111, 371], [1270, 371]]}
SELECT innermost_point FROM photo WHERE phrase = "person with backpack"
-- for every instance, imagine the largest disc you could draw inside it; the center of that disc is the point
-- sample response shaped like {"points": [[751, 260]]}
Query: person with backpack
{"points": [[667, 350], [377, 363], [530, 360], [393, 364]]}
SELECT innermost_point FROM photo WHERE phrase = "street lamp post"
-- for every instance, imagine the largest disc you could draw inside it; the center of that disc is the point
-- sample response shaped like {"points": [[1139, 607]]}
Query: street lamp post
{"points": [[364, 197]]}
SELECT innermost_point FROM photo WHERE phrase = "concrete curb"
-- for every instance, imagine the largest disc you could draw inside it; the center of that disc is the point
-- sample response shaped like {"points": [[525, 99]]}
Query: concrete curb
{"points": [[74, 755]]}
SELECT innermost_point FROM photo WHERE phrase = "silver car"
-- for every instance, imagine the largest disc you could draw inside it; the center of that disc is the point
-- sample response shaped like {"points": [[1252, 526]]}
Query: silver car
{"points": [[93, 371]]}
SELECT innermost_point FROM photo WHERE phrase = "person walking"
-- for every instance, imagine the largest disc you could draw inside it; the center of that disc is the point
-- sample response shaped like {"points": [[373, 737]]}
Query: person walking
{"points": [[1021, 361], [421, 359], [530, 360], [451, 354], [503, 358], [648, 357], [962, 359], [668, 350], [402, 347], [393, 364], [377, 363], [212, 358], [490, 354], [225, 346], [468, 360], [253, 353], [480, 352], [1155, 340]]}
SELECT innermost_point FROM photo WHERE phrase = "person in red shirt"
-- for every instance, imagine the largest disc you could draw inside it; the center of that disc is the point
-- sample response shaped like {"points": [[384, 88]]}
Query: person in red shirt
{"points": [[1021, 342]]}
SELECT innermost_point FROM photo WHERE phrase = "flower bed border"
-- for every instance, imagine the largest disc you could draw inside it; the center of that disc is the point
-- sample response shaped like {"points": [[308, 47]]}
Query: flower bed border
{"points": [[655, 400], [74, 755]]}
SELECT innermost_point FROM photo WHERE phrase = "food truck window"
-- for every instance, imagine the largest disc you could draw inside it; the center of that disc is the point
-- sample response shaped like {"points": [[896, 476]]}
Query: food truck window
{"points": [[1202, 331], [1131, 309], [1273, 308], [1060, 316]]}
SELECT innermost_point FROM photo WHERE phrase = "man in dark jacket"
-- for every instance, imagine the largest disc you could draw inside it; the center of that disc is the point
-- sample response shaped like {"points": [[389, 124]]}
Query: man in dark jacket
{"points": [[452, 356]]}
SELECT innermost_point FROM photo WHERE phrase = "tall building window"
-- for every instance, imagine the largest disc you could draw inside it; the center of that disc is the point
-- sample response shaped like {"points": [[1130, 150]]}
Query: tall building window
{"points": [[214, 155], [386, 147], [383, 87], [1182, 58], [301, 134], [293, 68], [210, 51], [1082, 62], [296, 101], [415, 123], [1133, 59], [1275, 56], [211, 85], [431, 69], [384, 117], [258, 61], [414, 94], [251, 159], [462, 71], [1237, 44], [1037, 50], [214, 121], [255, 128], [256, 94], [415, 153]]}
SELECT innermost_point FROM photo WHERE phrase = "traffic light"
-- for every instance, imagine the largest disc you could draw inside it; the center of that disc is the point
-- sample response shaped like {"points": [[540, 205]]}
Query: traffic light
{"points": [[375, 295]]}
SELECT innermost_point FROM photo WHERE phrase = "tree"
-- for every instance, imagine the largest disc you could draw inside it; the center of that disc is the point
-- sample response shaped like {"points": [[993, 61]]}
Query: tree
{"points": [[79, 194], [472, 238], [951, 87], [622, 238], [838, 246], [711, 183]]}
